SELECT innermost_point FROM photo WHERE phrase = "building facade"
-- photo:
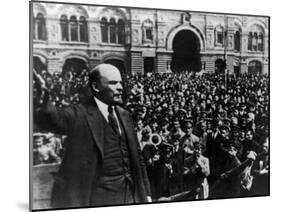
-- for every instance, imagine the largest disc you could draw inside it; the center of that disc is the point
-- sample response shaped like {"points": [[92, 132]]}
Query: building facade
{"points": [[76, 37]]}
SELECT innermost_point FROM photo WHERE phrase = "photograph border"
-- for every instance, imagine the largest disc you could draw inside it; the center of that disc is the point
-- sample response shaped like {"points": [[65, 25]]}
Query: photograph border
{"points": [[31, 121]]}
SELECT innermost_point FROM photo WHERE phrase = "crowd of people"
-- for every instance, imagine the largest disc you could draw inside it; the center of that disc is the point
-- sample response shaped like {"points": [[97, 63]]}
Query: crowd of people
{"points": [[205, 134], [48, 148]]}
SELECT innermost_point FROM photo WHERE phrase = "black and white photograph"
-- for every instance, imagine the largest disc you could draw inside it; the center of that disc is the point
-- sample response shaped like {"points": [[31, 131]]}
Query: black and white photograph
{"points": [[139, 105]]}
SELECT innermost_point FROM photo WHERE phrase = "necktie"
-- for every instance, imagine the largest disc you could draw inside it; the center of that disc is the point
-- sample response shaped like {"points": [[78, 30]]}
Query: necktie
{"points": [[112, 120]]}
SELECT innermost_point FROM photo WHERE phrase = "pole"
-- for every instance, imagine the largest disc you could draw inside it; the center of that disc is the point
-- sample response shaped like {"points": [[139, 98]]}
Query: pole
{"points": [[225, 50]]}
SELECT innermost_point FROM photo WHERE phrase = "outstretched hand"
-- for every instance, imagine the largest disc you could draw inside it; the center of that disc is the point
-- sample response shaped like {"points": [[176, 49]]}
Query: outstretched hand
{"points": [[43, 89], [38, 78]]}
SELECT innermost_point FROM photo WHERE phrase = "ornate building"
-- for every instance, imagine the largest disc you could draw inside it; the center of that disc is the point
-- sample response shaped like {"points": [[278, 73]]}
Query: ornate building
{"points": [[75, 37]]}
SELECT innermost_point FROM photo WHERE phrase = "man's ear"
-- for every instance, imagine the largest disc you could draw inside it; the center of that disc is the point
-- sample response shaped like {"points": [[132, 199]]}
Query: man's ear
{"points": [[95, 87]]}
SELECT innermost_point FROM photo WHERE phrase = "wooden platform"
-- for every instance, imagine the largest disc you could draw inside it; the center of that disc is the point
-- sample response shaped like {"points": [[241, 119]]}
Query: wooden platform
{"points": [[42, 183]]}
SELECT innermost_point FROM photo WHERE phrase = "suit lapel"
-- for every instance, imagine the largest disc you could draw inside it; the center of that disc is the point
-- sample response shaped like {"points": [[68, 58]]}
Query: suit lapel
{"points": [[126, 122], [95, 122]]}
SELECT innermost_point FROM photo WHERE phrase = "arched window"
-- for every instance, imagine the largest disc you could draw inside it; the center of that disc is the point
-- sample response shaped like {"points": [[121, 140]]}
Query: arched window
{"points": [[237, 41], [73, 28], [64, 28], [104, 30], [250, 41], [83, 29], [219, 35], [260, 42], [255, 67], [256, 38], [255, 41], [147, 31], [121, 32], [112, 30], [40, 27]]}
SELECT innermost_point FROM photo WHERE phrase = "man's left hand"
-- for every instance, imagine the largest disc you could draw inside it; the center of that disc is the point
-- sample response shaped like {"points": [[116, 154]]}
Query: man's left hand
{"points": [[149, 199]]}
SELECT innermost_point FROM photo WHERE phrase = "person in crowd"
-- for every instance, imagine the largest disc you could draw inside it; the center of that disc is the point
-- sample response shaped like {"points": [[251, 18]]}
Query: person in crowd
{"points": [[228, 183], [55, 142], [260, 172], [250, 144], [43, 153], [139, 128], [189, 138], [217, 152], [165, 174], [175, 129], [164, 125], [196, 171]]}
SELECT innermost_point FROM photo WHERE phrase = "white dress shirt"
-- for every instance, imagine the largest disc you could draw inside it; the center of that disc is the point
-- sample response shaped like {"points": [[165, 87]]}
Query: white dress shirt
{"points": [[104, 111]]}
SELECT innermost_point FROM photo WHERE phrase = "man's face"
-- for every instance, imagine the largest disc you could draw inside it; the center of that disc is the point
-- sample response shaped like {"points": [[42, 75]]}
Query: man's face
{"points": [[232, 150], [242, 136], [197, 150], [176, 125], [154, 126], [265, 145], [110, 85], [242, 111], [38, 141], [224, 133], [139, 124], [145, 136], [167, 154], [249, 136], [188, 128], [235, 134]]}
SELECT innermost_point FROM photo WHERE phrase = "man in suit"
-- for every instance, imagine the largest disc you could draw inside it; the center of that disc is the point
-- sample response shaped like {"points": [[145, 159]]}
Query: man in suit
{"points": [[103, 163]]}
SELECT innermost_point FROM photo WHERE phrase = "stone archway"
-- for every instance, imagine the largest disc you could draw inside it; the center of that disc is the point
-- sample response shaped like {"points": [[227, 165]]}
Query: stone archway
{"points": [[255, 67], [74, 65], [186, 52]]}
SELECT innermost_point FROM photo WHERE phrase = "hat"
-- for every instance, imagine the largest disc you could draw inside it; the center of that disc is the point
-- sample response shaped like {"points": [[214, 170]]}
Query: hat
{"points": [[232, 143], [146, 130], [197, 143], [227, 121], [181, 111], [224, 127], [37, 135], [175, 136], [242, 105], [187, 120], [235, 128], [165, 147], [164, 120]]}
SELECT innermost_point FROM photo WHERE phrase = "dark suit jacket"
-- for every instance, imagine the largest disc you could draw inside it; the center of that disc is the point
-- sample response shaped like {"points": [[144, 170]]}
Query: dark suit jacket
{"points": [[83, 159]]}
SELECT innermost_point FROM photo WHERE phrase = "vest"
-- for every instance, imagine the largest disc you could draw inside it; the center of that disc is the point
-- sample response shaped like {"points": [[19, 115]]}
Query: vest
{"points": [[116, 165]]}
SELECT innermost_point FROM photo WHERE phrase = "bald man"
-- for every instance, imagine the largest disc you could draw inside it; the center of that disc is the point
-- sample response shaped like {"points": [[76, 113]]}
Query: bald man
{"points": [[103, 163]]}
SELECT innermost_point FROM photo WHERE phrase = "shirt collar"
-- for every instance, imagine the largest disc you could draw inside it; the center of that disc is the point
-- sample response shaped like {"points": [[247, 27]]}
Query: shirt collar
{"points": [[104, 110], [102, 107]]}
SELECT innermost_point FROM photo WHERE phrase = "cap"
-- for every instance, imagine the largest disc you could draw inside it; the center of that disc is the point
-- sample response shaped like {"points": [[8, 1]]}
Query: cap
{"points": [[224, 127], [181, 111], [166, 147], [164, 120], [187, 120], [235, 128], [232, 143], [197, 143]]}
